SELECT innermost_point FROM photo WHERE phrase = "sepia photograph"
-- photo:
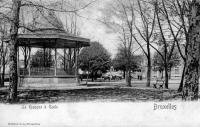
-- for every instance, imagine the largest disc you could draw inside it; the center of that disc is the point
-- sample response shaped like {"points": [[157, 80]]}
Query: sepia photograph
{"points": [[99, 63]]}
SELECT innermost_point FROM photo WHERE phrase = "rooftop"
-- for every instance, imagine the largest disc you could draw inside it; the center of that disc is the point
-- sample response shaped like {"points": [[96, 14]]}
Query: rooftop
{"points": [[55, 39]]}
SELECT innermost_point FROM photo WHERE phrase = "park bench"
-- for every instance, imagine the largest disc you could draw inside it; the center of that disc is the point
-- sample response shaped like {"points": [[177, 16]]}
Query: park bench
{"points": [[159, 83]]}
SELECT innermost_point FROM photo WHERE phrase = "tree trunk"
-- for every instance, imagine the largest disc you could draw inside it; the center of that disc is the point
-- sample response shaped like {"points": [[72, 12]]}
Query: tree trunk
{"points": [[124, 74], [92, 76], [191, 86], [180, 89], [1, 80], [170, 72], [166, 76], [3, 70], [25, 57], [12, 97], [64, 60], [149, 72], [44, 57], [88, 72], [70, 61], [3, 66], [128, 77], [77, 66]]}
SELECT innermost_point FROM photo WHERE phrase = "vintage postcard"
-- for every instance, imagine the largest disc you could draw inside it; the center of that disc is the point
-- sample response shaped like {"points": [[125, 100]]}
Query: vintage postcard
{"points": [[101, 63]]}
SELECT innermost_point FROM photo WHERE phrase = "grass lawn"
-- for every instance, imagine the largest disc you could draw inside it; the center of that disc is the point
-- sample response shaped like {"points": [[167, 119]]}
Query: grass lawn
{"points": [[118, 94]]}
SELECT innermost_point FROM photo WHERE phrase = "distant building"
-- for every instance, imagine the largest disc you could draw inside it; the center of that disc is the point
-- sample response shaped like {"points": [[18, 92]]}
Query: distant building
{"points": [[176, 72]]}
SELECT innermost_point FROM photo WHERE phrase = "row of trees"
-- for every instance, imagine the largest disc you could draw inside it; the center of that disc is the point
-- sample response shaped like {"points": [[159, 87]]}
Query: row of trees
{"points": [[159, 24], [96, 58]]}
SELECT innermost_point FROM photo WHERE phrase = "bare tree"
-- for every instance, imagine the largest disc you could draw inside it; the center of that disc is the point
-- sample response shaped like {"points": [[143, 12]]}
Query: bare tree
{"points": [[183, 9], [123, 13], [165, 27], [180, 10], [146, 32]]}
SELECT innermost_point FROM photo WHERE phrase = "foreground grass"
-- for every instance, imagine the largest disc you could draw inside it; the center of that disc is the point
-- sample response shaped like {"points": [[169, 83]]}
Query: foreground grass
{"points": [[97, 94]]}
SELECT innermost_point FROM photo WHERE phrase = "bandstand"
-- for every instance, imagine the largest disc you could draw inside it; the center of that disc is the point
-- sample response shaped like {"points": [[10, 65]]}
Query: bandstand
{"points": [[52, 76]]}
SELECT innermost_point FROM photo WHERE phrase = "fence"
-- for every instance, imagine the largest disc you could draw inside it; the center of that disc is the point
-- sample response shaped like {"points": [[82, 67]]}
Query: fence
{"points": [[45, 71]]}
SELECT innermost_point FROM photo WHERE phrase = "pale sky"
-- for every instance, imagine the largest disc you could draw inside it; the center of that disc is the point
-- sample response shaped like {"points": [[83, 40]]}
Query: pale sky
{"points": [[95, 30]]}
